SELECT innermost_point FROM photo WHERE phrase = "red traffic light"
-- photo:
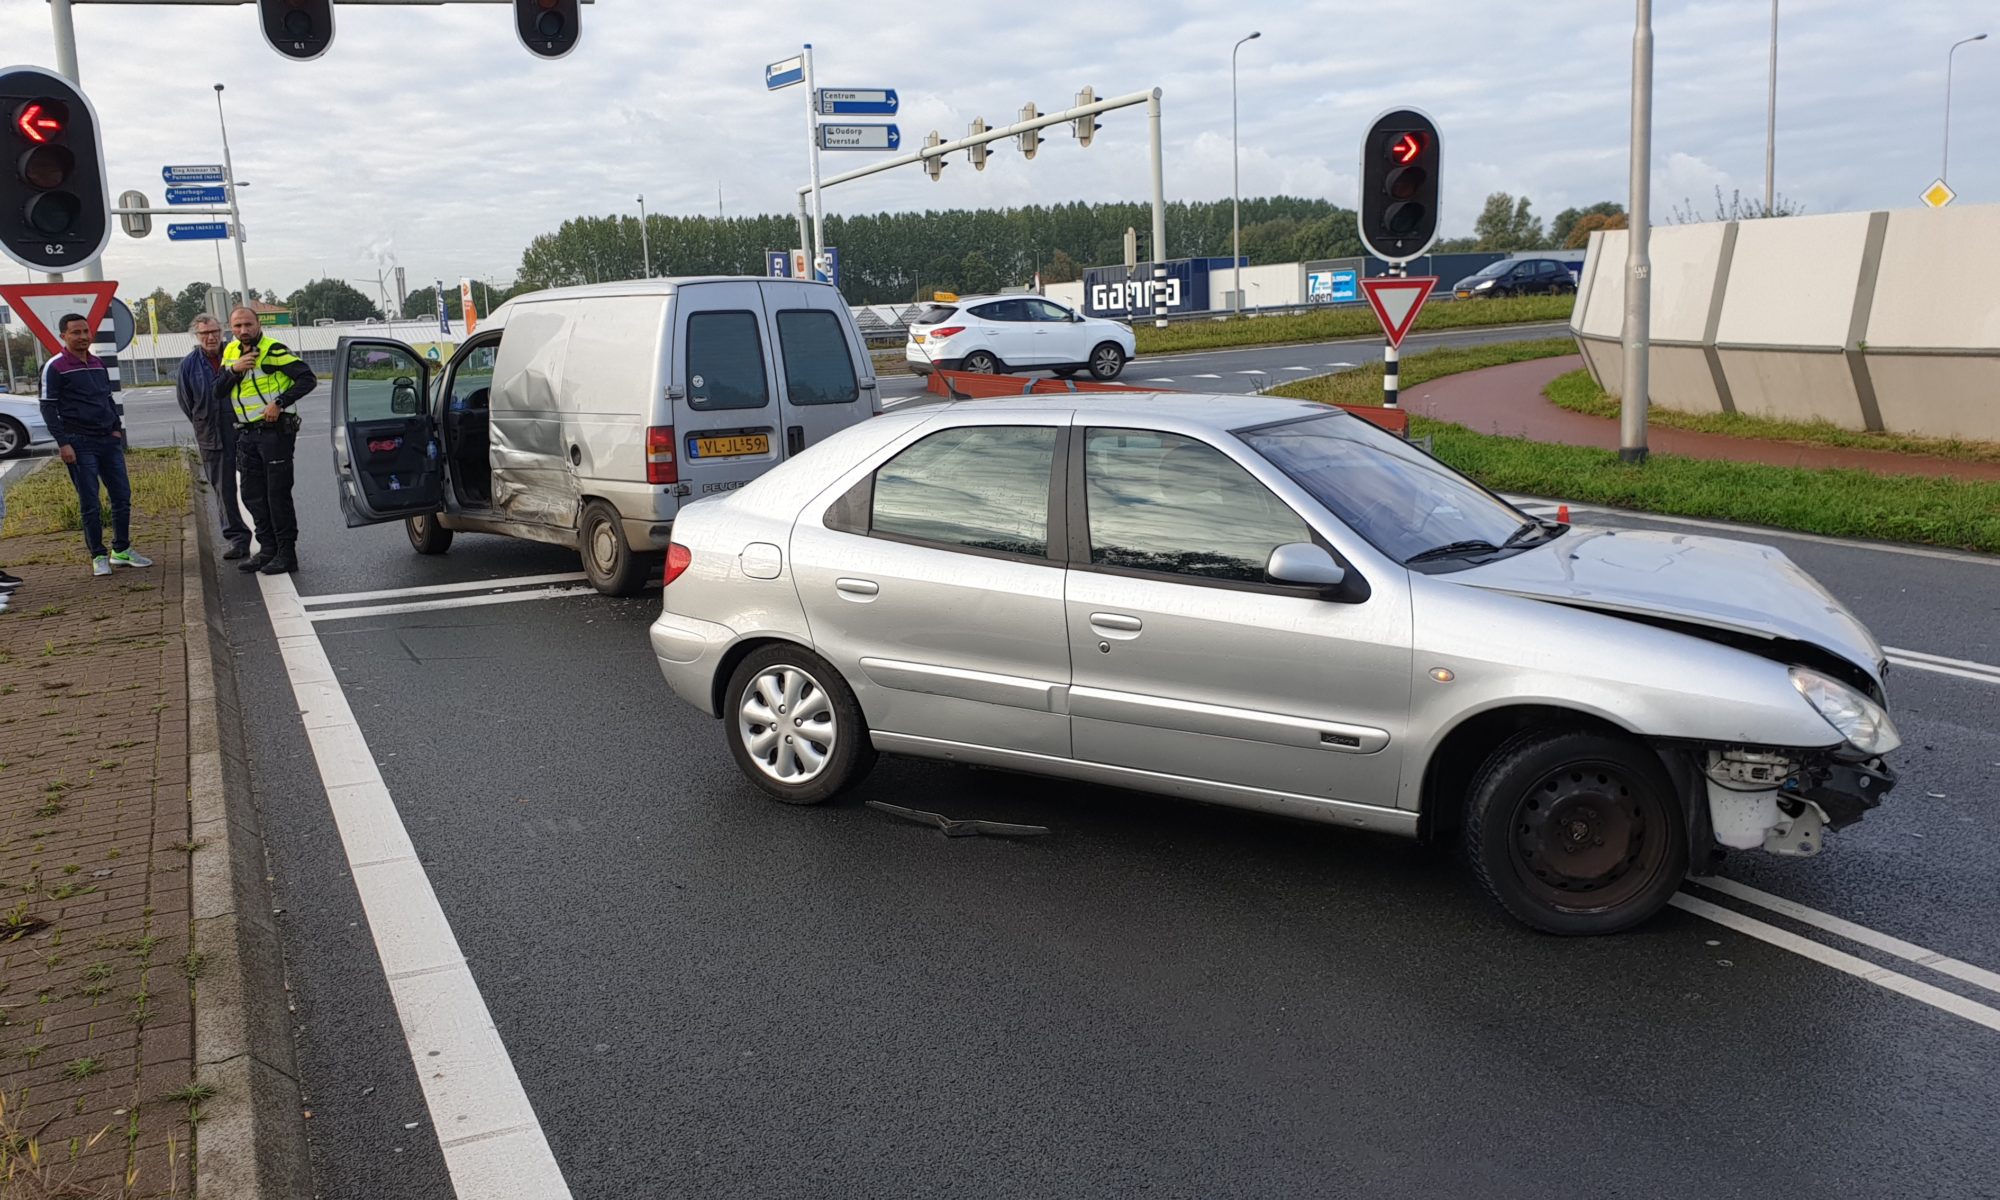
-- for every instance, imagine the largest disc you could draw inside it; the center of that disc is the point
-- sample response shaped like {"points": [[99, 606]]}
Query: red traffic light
{"points": [[1405, 149], [41, 121]]}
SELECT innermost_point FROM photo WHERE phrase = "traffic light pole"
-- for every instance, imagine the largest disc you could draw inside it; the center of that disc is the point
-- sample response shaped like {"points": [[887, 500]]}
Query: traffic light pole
{"points": [[63, 23]]}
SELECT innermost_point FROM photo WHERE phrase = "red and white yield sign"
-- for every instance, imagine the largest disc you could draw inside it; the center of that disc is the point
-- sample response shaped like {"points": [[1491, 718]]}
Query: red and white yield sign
{"points": [[1397, 300], [42, 306]]}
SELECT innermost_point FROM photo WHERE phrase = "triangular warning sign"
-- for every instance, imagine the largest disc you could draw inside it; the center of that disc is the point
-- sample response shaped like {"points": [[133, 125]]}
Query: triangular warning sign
{"points": [[1397, 300], [43, 306]]}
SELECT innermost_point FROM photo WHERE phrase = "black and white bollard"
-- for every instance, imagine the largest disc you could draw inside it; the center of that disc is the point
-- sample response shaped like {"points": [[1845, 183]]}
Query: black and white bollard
{"points": [[1390, 358], [1159, 295]]}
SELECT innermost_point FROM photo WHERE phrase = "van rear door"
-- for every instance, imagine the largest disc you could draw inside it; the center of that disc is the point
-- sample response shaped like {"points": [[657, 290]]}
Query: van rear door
{"points": [[726, 420], [385, 445], [826, 380]]}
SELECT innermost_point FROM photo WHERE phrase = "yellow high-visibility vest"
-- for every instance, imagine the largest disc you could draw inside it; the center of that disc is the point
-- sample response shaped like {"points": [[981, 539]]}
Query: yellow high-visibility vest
{"points": [[258, 387]]}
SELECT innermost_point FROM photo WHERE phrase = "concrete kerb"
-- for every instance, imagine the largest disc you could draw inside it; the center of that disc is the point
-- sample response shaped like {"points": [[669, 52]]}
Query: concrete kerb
{"points": [[251, 1142]]}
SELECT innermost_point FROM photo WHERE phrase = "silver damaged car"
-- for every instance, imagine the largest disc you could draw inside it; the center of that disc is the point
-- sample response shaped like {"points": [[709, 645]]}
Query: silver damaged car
{"points": [[1270, 604]]}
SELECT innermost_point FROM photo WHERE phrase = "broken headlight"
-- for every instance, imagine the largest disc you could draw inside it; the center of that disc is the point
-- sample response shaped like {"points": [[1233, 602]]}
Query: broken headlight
{"points": [[1854, 716]]}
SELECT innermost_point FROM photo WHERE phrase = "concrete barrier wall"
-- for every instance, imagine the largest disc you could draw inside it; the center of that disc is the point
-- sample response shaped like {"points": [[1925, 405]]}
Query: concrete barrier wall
{"points": [[1872, 321]]}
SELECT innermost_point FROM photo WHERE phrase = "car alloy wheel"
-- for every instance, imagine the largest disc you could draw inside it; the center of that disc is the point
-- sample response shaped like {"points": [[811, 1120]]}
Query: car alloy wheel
{"points": [[12, 437], [979, 362], [787, 723], [1107, 361]]}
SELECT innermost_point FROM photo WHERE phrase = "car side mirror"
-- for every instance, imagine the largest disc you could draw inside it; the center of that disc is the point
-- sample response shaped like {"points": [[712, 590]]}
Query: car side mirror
{"points": [[1304, 564], [403, 399]]}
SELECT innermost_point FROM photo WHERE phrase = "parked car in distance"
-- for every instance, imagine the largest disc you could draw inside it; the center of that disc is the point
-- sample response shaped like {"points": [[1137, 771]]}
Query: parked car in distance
{"points": [[1517, 277], [1003, 334], [1265, 603], [587, 416], [21, 425]]}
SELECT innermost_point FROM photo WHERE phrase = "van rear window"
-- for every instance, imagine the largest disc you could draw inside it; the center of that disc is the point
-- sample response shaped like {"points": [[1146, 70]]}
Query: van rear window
{"points": [[818, 366], [725, 361]]}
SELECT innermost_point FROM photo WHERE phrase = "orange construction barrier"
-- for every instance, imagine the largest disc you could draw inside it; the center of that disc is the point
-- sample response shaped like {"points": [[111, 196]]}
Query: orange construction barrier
{"points": [[980, 387]]}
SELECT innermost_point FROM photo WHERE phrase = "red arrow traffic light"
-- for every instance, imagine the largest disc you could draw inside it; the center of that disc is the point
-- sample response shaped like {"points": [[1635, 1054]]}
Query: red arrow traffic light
{"points": [[40, 120], [1406, 148]]}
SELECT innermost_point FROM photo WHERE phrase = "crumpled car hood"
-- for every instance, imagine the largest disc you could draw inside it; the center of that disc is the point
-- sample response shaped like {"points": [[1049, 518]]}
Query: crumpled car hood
{"points": [[1719, 582]]}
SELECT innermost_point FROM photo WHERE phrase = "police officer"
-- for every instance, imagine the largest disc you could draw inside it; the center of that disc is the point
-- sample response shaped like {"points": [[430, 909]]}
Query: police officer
{"points": [[262, 380]]}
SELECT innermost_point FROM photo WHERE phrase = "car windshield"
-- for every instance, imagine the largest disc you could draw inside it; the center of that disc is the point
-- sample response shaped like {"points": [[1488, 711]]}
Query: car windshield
{"points": [[1491, 269], [1406, 503]]}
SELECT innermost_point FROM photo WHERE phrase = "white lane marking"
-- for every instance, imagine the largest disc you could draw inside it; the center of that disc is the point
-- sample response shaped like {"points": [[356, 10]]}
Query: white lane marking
{"points": [[1208, 377], [1159, 380], [1860, 968], [384, 610], [1298, 368], [493, 1144], [1963, 668], [1342, 364], [1245, 373], [1907, 951], [472, 585]]}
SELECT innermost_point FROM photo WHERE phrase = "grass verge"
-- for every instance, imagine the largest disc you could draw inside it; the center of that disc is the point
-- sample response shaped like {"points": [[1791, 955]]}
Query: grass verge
{"points": [[1578, 392], [1860, 504], [45, 502], [1341, 323]]}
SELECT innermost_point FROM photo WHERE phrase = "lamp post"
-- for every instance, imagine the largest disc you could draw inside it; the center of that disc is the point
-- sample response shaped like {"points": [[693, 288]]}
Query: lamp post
{"points": [[1235, 187], [235, 215], [645, 247], [1638, 264], [1943, 168], [1771, 120]]}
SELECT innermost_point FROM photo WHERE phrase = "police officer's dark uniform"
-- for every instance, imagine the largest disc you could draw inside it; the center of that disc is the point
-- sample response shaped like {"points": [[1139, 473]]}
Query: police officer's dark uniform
{"points": [[264, 447]]}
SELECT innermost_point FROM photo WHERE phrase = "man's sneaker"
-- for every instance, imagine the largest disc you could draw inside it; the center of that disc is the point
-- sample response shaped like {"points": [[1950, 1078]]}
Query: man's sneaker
{"points": [[9, 582], [129, 558], [101, 565]]}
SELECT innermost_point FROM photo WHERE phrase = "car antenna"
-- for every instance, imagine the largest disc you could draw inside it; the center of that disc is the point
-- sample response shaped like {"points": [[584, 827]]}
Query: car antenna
{"points": [[949, 386]]}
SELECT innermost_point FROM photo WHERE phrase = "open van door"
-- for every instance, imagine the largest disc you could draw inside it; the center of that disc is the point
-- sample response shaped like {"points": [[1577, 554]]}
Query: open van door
{"points": [[386, 455]]}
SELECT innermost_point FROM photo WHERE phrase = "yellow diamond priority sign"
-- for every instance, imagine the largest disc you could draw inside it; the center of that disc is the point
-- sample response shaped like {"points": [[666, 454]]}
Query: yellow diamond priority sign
{"points": [[1938, 194]]}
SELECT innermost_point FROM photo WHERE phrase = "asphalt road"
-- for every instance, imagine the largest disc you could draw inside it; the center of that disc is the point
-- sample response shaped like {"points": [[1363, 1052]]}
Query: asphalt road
{"points": [[706, 993]]}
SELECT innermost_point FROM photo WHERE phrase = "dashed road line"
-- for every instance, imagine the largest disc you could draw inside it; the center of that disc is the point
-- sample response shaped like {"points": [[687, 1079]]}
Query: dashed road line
{"points": [[1917, 660], [1208, 377], [470, 585], [386, 610]]}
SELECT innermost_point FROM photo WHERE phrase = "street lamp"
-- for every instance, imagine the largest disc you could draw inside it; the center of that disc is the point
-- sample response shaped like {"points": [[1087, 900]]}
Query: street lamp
{"points": [[1942, 171], [645, 250], [235, 215], [1235, 187], [1771, 119]]}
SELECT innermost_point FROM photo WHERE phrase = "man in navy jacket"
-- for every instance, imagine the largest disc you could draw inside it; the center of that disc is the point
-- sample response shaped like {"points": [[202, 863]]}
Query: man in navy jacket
{"points": [[214, 427], [82, 416]]}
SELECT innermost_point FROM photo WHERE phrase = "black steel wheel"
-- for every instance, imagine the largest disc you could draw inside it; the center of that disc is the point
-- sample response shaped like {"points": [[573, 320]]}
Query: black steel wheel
{"points": [[426, 535]]}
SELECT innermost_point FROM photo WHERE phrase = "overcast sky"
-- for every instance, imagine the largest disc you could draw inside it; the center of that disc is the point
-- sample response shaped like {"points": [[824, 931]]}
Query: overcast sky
{"points": [[428, 137]]}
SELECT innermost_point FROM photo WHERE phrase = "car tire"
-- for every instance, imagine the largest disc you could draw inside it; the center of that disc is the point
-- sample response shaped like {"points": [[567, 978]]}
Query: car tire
{"points": [[1576, 833], [1107, 361], [831, 752], [979, 362], [13, 438], [1066, 372], [609, 562], [426, 535]]}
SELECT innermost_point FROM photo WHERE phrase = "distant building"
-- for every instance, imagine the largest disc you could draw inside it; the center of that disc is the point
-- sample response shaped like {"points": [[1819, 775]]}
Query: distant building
{"points": [[272, 314]]}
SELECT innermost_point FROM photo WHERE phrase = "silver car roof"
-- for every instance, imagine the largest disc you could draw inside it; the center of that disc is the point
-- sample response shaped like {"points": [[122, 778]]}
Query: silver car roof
{"points": [[1206, 409]]}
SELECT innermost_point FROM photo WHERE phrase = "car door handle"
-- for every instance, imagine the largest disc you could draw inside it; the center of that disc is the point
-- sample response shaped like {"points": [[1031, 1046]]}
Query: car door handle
{"points": [[1115, 623], [856, 587]]}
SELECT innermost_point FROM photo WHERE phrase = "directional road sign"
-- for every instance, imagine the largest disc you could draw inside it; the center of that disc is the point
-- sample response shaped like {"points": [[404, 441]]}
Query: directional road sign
{"points": [[42, 306], [1397, 300], [860, 137], [857, 102], [209, 173], [197, 195], [200, 231], [1938, 194], [785, 72]]}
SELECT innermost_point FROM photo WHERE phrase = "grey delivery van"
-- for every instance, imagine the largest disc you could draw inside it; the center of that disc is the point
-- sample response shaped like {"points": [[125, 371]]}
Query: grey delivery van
{"points": [[587, 416]]}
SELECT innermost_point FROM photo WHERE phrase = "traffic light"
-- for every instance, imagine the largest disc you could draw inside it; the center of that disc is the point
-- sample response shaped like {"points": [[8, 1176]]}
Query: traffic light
{"points": [[297, 29], [1399, 185], [1086, 125], [548, 28], [933, 164], [976, 152], [55, 215], [1032, 138]]}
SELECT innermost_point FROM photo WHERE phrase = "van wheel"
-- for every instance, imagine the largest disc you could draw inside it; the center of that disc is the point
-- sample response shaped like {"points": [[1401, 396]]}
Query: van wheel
{"points": [[979, 362], [795, 729], [1107, 361], [426, 535], [608, 560], [1576, 833]]}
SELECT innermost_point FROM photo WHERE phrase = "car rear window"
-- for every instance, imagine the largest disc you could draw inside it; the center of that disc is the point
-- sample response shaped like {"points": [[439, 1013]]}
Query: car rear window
{"points": [[818, 367], [936, 314]]}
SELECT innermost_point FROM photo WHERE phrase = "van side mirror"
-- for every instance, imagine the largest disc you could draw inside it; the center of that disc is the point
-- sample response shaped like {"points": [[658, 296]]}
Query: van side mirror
{"points": [[1305, 565]]}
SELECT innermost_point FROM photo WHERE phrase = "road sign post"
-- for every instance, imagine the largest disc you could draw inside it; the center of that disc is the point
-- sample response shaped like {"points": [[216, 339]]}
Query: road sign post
{"points": [[1396, 299]]}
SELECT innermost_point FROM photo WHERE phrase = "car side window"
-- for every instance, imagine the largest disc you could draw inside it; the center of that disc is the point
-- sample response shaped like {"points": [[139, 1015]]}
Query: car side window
{"points": [[382, 382], [1042, 310], [818, 367], [1001, 310], [725, 361], [980, 487], [472, 376], [1161, 502]]}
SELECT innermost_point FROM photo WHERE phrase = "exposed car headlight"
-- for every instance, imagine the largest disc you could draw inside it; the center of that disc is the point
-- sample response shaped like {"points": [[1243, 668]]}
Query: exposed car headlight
{"points": [[1482, 286], [1854, 716]]}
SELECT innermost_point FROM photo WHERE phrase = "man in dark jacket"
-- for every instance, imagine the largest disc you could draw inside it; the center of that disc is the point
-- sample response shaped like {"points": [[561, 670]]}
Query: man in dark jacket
{"points": [[261, 379], [78, 407], [214, 427]]}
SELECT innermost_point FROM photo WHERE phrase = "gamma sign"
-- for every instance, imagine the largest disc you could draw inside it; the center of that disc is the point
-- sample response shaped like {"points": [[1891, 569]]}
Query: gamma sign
{"points": [[1397, 300]]}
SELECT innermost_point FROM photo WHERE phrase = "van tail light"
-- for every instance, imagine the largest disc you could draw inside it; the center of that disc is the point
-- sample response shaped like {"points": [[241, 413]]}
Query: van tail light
{"points": [[678, 559], [660, 465], [947, 331]]}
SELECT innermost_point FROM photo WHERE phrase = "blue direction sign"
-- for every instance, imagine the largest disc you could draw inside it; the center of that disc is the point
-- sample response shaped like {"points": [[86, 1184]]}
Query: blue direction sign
{"points": [[860, 137], [210, 173], [857, 102], [202, 231], [785, 73], [197, 195]]}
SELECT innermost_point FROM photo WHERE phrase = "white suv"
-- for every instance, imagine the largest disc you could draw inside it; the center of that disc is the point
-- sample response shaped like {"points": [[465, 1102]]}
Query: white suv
{"points": [[999, 334]]}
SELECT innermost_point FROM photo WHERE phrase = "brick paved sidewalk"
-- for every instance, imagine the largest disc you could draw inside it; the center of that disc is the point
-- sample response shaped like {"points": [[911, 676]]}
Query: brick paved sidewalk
{"points": [[96, 1026], [1508, 400]]}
